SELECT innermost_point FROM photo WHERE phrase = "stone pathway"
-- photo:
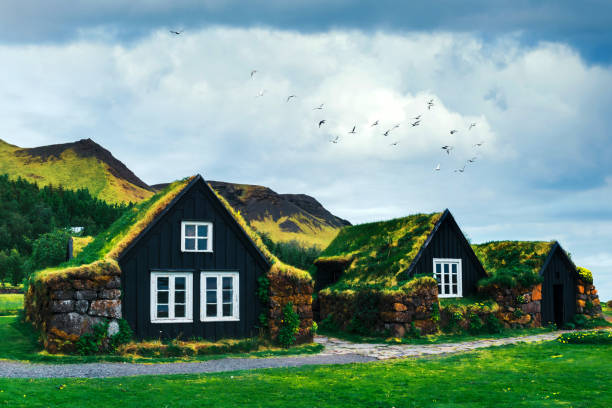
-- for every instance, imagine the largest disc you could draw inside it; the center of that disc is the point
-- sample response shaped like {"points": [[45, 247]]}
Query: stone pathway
{"points": [[378, 351], [336, 352]]}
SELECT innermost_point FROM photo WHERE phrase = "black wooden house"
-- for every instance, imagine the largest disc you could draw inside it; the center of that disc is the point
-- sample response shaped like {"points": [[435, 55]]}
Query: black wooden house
{"points": [[558, 287]]}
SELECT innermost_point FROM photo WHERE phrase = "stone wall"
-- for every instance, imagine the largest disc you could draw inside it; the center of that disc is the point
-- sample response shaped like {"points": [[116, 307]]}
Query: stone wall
{"points": [[395, 311], [285, 288], [587, 300], [68, 306], [518, 307]]}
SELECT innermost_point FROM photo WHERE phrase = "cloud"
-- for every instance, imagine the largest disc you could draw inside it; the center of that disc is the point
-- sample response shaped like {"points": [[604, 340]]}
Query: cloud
{"points": [[171, 106]]}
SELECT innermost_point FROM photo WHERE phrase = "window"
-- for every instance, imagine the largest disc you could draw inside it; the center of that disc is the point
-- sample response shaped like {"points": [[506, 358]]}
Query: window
{"points": [[448, 274], [171, 297], [219, 296], [196, 236]]}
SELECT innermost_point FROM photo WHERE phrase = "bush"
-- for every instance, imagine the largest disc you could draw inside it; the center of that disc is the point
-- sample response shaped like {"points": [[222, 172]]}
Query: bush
{"points": [[518, 313], [50, 249], [290, 326], [493, 325], [581, 337], [609, 304], [98, 340], [314, 328], [263, 286], [329, 323], [475, 324]]}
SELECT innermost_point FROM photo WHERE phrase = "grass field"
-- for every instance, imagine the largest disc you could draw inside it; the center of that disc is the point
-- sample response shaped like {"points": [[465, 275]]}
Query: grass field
{"points": [[537, 375], [606, 310], [19, 341], [10, 303]]}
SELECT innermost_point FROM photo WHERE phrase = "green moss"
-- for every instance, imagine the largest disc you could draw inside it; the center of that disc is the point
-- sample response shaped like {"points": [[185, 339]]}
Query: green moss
{"points": [[585, 274], [381, 251]]}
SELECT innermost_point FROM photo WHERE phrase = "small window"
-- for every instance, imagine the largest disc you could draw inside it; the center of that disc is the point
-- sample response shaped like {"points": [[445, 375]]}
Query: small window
{"points": [[219, 296], [196, 236], [171, 297], [448, 274]]}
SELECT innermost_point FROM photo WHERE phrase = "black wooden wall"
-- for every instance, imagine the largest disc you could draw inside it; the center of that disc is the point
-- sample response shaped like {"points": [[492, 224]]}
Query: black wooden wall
{"points": [[558, 271], [449, 242], [160, 249]]}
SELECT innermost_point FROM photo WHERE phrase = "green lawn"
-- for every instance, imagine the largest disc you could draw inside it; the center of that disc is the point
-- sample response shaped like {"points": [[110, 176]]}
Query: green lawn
{"points": [[19, 341], [10, 303], [606, 310], [526, 375]]}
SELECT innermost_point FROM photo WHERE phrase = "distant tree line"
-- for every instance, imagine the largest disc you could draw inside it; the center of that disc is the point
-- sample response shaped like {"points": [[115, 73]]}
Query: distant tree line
{"points": [[35, 222], [293, 252]]}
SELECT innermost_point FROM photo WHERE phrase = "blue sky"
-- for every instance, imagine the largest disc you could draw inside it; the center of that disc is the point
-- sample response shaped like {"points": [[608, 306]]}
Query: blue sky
{"points": [[535, 77]]}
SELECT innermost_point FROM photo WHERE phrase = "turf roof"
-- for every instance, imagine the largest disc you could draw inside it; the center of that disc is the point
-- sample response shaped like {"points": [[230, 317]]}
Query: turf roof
{"points": [[513, 256], [380, 251]]}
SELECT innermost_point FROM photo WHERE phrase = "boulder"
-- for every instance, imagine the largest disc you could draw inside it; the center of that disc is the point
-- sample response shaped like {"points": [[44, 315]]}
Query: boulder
{"points": [[62, 306], [74, 323], [114, 283], [536, 293], [399, 307], [81, 306], [106, 308], [86, 294], [113, 328], [62, 294], [110, 294]]}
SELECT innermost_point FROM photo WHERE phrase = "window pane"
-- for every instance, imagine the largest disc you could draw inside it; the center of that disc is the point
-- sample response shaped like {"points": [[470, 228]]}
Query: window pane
{"points": [[162, 297], [454, 289], [446, 289], [438, 268], [227, 296], [179, 311], [162, 310], [162, 283], [211, 283], [454, 268], [439, 289], [202, 230], [445, 268], [190, 230], [179, 283], [211, 296], [454, 278], [202, 244], [189, 244], [179, 296], [211, 310], [438, 277], [227, 283], [227, 309]]}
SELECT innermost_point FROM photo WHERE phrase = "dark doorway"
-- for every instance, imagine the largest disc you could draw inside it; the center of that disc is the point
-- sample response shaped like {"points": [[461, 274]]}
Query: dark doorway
{"points": [[558, 305]]}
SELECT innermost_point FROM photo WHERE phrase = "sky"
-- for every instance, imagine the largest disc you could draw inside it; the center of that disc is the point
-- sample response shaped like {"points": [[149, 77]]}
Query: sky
{"points": [[534, 77]]}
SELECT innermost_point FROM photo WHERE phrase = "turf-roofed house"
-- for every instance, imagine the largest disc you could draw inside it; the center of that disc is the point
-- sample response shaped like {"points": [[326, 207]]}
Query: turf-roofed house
{"points": [[387, 276], [419, 273], [182, 264]]}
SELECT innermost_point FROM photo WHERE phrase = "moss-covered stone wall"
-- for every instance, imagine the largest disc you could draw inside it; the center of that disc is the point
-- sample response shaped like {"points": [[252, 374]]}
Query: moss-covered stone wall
{"points": [[587, 300]]}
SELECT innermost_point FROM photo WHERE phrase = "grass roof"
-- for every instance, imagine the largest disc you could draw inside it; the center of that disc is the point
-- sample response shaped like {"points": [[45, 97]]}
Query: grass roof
{"points": [[110, 244], [380, 251], [523, 256]]}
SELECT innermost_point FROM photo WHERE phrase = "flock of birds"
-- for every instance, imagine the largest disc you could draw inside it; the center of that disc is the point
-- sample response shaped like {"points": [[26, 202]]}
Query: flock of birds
{"points": [[415, 121]]}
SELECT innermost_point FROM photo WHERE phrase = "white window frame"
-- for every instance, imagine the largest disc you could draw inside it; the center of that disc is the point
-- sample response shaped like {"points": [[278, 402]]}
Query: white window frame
{"points": [[235, 298], [449, 261], [209, 238], [188, 297]]}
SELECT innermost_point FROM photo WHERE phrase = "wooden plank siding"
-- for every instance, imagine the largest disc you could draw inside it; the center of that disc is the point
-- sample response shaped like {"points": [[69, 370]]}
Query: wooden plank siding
{"points": [[558, 271], [159, 249], [448, 241]]}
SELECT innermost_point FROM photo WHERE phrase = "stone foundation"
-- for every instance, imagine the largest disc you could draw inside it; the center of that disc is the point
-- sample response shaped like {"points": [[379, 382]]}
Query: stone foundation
{"points": [[519, 307], [587, 300], [285, 288]]}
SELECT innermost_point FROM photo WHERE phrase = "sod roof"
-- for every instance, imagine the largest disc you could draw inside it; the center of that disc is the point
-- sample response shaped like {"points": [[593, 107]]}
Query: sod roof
{"points": [[110, 244], [513, 256], [378, 252]]}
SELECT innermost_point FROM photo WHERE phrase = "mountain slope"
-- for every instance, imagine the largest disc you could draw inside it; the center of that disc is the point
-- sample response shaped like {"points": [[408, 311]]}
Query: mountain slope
{"points": [[82, 164]]}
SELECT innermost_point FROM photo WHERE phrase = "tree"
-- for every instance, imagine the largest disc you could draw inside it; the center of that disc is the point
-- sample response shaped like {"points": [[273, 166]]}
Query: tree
{"points": [[50, 249]]}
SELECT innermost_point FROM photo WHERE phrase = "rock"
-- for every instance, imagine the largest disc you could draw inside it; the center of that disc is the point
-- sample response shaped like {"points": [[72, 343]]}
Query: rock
{"points": [[106, 308], [110, 294], [581, 303], [523, 319], [398, 330], [74, 323], [113, 328], [62, 294], [62, 306], [580, 288], [536, 293], [399, 307], [114, 283], [81, 306], [86, 294]]}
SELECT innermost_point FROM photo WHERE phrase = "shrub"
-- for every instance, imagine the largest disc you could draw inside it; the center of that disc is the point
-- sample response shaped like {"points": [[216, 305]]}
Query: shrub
{"points": [[414, 331], [475, 324], [493, 325], [123, 336], [582, 337], [329, 323], [92, 343], [517, 313], [588, 306], [263, 286], [263, 320], [314, 328], [290, 326], [520, 299], [585, 274], [453, 322], [609, 304], [435, 312]]}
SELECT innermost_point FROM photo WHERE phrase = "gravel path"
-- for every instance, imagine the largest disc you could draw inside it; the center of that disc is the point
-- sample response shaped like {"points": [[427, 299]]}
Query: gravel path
{"points": [[336, 352]]}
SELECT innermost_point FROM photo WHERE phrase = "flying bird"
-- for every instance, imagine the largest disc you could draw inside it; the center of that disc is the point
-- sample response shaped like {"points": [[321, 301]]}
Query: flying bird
{"points": [[447, 149], [176, 32], [473, 124], [438, 167], [416, 123], [319, 107], [261, 93], [374, 124], [253, 72], [479, 144], [387, 132], [395, 126], [322, 122], [335, 140], [417, 117], [452, 132], [430, 103], [461, 170], [472, 160], [289, 97], [353, 131], [394, 144]]}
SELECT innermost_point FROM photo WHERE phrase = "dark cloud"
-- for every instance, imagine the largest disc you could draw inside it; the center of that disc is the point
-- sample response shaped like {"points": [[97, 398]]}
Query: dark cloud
{"points": [[584, 25]]}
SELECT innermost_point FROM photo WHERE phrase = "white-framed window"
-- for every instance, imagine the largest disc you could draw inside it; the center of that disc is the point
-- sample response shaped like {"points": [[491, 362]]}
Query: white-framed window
{"points": [[171, 297], [448, 274], [219, 299], [196, 236]]}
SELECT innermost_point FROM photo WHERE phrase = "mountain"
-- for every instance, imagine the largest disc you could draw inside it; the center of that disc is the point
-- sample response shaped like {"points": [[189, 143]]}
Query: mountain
{"points": [[82, 164], [284, 217]]}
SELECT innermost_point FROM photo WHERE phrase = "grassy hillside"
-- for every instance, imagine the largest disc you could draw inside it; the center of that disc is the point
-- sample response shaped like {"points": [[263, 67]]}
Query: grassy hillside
{"points": [[71, 169]]}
